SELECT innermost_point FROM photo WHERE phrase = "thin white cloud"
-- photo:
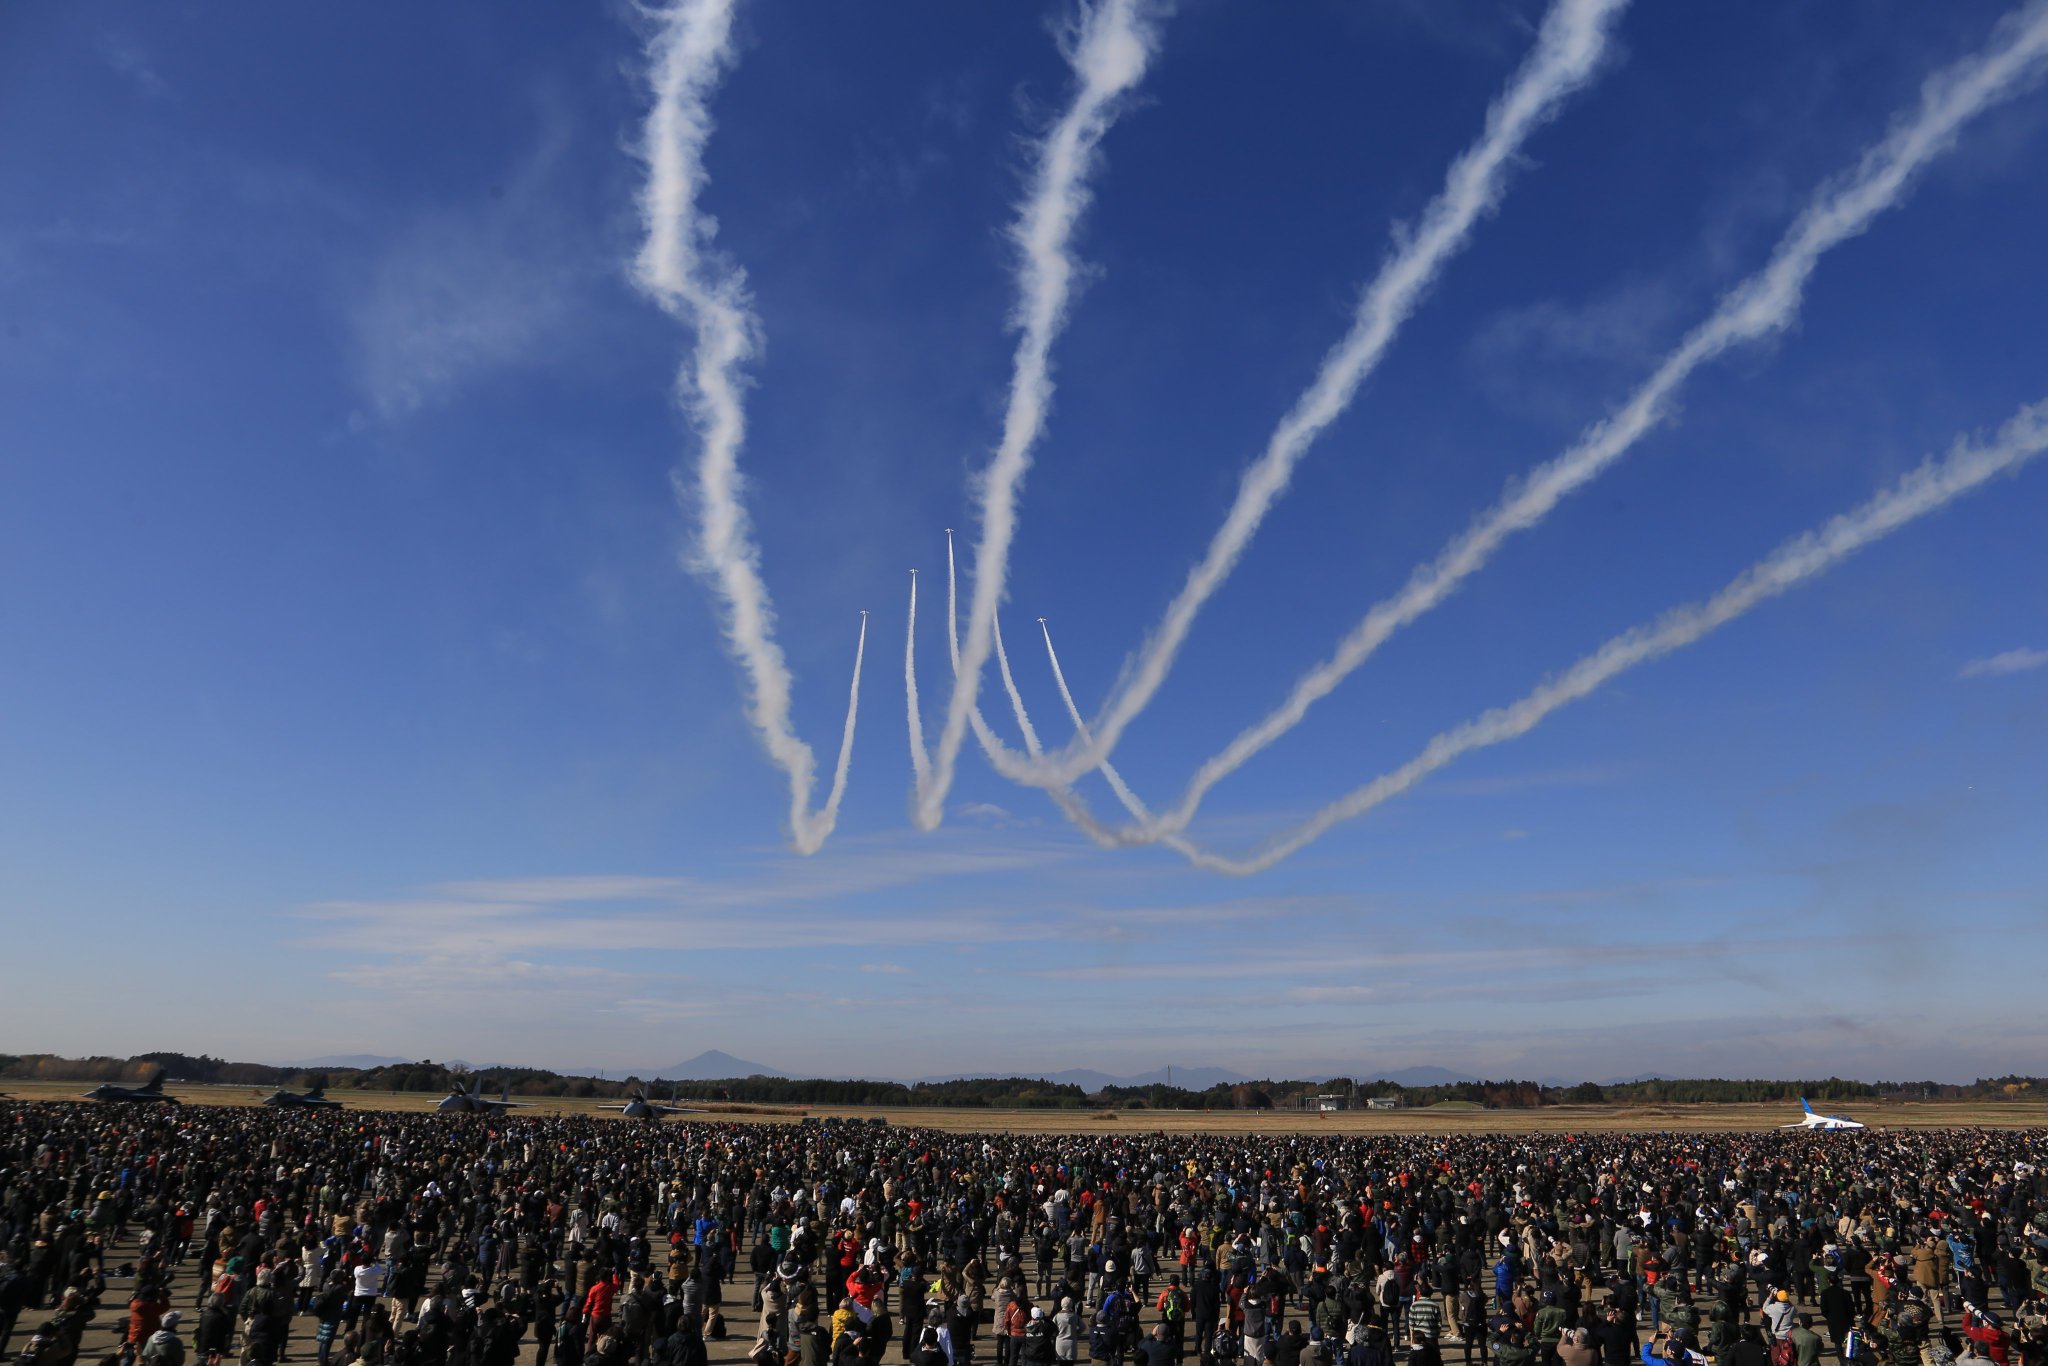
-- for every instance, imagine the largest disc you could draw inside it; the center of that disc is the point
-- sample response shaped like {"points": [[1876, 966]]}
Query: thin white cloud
{"points": [[466, 290], [891, 968], [1330, 995], [2018, 661], [132, 61]]}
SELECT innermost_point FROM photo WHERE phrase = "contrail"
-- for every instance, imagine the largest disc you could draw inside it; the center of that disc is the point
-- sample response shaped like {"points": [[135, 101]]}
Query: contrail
{"points": [[920, 761], [1112, 43], [1764, 303], [1569, 48], [1935, 483], [686, 57]]}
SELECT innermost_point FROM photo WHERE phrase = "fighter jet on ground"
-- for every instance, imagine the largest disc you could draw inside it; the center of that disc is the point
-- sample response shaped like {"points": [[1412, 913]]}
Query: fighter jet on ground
{"points": [[475, 1102], [314, 1099], [1814, 1121], [640, 1107], [151, 1091]]}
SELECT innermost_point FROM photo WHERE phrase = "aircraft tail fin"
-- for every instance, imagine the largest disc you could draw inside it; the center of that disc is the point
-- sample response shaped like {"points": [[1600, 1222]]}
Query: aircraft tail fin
{"points": [[1804, 1106], [505, 1093], [155, 1083], [319, 1091]]}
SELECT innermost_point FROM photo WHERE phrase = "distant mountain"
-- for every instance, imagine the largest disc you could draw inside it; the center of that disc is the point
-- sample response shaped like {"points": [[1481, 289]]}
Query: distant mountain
{"points": [[359, 1061], [712, 1065]]}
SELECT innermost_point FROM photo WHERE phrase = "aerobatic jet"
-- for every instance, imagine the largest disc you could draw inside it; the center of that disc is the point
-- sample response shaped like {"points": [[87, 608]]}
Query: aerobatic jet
{"points": [[150, 1092], [475, 1102], [1816, 1121], [314, 1099]]}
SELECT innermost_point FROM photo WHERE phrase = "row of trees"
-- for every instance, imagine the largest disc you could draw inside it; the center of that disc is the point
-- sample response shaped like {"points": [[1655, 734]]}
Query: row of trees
{"points": [[1002, 1092]]}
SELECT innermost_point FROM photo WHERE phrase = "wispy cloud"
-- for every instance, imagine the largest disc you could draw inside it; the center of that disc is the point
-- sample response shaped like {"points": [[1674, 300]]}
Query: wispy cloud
{"points": [[498, 919], [467, 289], [1998, 666], [132, 61]]}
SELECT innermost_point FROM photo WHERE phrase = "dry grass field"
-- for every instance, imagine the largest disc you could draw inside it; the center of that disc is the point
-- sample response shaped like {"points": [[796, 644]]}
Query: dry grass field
{"points": [[1553, 1119]]}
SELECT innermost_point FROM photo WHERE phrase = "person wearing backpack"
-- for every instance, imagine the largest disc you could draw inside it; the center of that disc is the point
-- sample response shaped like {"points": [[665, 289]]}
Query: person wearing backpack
{"points": [[1173, 1313]]}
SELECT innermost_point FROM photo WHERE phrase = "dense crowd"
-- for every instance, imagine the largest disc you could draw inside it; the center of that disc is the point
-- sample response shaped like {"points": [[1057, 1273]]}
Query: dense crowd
{"points": [[428, 1240]]}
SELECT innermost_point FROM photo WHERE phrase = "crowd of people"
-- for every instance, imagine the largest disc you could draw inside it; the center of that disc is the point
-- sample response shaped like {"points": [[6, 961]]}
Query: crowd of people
{"points": [[387, 1239]]}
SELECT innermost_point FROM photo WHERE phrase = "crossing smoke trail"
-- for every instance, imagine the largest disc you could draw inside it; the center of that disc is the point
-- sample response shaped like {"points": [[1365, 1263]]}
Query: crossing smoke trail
{"points": [[1763, 304], [1070, 803], [1568, 49], [1112, 44], [1935, 483], [690, 50]]}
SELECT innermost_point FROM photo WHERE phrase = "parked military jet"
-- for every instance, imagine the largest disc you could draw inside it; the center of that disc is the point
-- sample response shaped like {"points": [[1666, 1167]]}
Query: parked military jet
{"points": [[640, 1107], [475, 1102], [314, 1099], [151, 1091]]}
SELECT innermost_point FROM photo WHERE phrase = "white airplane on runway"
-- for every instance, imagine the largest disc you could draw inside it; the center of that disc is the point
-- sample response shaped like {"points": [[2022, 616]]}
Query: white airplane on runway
{"points": [[1814, 1121]]}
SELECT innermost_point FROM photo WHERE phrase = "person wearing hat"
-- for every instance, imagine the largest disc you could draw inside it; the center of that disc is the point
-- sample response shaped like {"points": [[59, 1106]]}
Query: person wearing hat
{"points": [[164, 1347], [1779, 1315]]}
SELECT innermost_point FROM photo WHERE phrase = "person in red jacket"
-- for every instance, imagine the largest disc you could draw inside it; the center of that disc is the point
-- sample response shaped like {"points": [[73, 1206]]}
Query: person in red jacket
{"points": [[865, 1286], [1984, 1330], [597, 1308]]}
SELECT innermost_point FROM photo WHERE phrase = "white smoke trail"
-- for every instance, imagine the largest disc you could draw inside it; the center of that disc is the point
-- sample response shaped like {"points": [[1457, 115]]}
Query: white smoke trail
{"points": [[1935, 483], [1568, 50], [845, 764], [1010, 687], [1116, 783], [920, 761], [1109, 50], [1070, 803], [688, 53], [1762, 304]]}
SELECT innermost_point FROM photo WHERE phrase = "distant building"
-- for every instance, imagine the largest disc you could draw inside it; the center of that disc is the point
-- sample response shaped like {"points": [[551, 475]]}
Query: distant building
{"points": [[1330, 1104], [1383, 1102]]}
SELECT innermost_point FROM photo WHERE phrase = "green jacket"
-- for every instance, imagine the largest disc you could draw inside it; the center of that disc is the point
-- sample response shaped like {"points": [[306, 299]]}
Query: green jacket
{"points": [[1807, 1344], [1549, 1324]]}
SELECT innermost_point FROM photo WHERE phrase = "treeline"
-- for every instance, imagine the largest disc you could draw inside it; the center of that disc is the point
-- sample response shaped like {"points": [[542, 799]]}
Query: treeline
{"points": [[1004, 1093], [1298, 1094], [1008, 1093], [1717, 1091], [1014, 1093], [143, 1066]]}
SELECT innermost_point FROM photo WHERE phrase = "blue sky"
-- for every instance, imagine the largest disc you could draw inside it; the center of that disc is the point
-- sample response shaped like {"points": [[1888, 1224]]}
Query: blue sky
{"points": [[352, 696]]}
